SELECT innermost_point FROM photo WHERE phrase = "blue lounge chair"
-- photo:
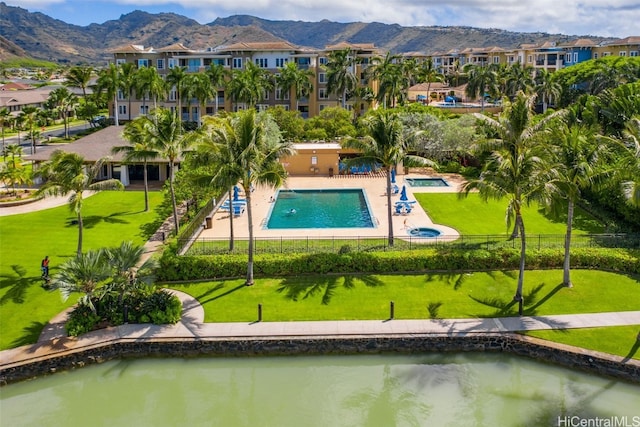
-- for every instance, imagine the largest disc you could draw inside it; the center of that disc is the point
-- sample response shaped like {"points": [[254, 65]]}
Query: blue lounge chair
{"points": [[238, 210]]}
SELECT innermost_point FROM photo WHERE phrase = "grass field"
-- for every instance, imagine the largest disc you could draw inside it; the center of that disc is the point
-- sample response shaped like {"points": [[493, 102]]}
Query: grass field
{"points": [[109, 218], [471, 215]]}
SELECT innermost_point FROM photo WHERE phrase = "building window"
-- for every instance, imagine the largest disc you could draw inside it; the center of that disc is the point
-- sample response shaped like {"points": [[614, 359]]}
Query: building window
{"points": [[496, 59], [575, 57], [606, 54], [633, 53], [595, 55], [143, 63], [122, 109], [323, 93], [322, 60], [121, 96], [173, 63], [160, 64], [144, 109], [280, 62], [173, 95], [282, 94], [121, 61], [237, 62], [529, 59], [314, 160], [265, 95], [322, 77], [262, 62], [623, 53], [262, 107]]}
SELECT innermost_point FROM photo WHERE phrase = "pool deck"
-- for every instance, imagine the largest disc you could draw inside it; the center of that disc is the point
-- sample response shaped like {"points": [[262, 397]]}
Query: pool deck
{"points": [[374, 187]]}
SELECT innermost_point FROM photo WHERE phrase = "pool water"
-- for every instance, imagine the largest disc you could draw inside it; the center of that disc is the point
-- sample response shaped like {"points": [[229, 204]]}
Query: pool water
{"points": [[424, 232], [331, 208], [426, 182]]}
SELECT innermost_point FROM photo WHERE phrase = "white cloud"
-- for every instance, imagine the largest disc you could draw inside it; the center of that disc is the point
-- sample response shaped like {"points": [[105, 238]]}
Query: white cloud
{"points": [[580, 17]]}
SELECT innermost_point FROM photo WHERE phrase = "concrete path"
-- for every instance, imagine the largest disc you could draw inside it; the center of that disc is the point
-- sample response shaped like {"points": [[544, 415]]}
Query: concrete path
{"points": [[38, 205]]}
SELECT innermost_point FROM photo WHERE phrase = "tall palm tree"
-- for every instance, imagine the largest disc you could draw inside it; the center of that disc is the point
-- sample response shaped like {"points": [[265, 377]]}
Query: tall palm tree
{"points": [[218, 77], [629, 163], [29, 114], [5, 117], [109, 82], [427, 72], [297, 80], [514, 168], [385, 144], [341, 78], [165, 136], [575, 155], [79, 76], [481, 80], [64, 102], [140, 148], [175, 79], [520, 78], [547, 87], [389, 73], [250, 84], [68, 173], [203, 91], [127, 80], [254, 153]]}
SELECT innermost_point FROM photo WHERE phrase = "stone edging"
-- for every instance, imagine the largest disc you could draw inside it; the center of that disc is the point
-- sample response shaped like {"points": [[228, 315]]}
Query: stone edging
{"points": [[541, 350]]}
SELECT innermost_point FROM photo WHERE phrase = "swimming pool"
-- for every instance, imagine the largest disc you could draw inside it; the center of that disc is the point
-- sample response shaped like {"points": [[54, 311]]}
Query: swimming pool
{"points": [[331, 208], [424, 232], [427, 182]]}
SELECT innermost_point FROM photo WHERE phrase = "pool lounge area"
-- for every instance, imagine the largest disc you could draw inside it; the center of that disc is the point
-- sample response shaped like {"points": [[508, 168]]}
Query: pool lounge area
{"points": [[374, 191]]}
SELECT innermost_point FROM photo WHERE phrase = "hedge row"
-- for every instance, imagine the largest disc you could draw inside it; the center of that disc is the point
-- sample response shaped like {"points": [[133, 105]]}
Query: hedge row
{"points": [[181, 268]]}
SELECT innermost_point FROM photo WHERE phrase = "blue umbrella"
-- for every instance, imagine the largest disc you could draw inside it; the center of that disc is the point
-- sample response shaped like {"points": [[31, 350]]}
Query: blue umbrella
{"points": [[393, 176], [236, 193], [403, 194]]}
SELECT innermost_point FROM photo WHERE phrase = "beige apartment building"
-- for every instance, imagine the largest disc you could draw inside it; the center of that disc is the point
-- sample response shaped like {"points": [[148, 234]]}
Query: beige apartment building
{"points": [[271, 56]]}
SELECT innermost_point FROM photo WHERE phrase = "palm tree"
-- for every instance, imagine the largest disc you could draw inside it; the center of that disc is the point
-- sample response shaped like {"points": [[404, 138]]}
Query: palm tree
{"points": [[254, 153], [547, 87], [165, 136], [250, 84], [514, 168], [64, 102], [481, 80], [519, 79], [79, 76], [341, 78], [629, 163], [140, 148], [29, 115], [68, 173], [14, 173], [385, 144], [175, 79], [202, 90], [427, 72], [296, 79], [575, 156], [390, 75], [127, 82], [5, 115], [217, 76], [109, 81]]}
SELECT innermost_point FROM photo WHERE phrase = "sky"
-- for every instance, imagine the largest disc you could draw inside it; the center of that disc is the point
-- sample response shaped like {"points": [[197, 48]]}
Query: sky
{"points": [[607, 18]]}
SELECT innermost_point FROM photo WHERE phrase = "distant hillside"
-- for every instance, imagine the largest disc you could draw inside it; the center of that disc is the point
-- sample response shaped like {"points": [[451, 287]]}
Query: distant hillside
{"points": [[43, 37], [9, 50]]}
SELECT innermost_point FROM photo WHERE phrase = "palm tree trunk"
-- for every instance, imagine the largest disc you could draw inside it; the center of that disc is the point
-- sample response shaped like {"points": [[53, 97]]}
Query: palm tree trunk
{"points": [[146, 187], [79, 250], [247, 191], [523, 250], [566, 279], [516, 228], [389, 210], [231, 233], [173, 197], [115, 109]]}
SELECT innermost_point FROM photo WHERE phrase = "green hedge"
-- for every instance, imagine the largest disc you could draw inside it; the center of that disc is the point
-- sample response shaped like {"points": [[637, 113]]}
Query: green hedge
{"points": [[184, 268]]}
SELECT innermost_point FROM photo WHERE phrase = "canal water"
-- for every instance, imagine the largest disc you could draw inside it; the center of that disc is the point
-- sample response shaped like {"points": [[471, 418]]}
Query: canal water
{"points": [[360, 390]]}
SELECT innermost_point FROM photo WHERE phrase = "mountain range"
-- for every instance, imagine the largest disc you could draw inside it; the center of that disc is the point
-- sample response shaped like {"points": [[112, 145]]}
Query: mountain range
{"points": [[36, 35]]}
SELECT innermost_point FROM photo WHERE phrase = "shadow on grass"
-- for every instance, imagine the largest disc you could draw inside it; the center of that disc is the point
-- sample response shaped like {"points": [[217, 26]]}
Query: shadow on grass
{"points": [[504, 308], [633, 351], [17, 285], [582, 220], [218, 287], [30, 334], [93, 220], [545, 298], [296, 288]]}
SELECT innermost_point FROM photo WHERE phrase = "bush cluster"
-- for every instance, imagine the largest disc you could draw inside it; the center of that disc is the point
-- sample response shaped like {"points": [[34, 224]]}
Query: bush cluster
{"points": [[156, 306], [185, 268]]}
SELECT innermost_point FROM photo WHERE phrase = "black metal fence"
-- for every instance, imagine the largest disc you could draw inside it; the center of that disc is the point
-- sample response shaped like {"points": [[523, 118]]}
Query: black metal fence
{"points": [[343, 244], [188, 232]]}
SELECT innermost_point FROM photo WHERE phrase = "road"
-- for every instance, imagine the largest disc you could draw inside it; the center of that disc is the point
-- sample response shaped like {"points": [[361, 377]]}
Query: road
{"points": [[26, 143]]}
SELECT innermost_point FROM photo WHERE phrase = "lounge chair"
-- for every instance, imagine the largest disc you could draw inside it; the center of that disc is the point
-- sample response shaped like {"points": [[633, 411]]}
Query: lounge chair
{"points": [[238, 210]]}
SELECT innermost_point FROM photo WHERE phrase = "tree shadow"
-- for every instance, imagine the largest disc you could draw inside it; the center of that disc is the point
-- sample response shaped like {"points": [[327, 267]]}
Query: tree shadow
{"points": [[218, 287], [296, 288], [30, 334], [17, 285], [582, 220], [504, 307], [633, 350], [93, 220], [544, 299]]}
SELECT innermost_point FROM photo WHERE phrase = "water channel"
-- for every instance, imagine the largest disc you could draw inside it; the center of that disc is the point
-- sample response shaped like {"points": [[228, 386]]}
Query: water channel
{"points": [[362, 390]]}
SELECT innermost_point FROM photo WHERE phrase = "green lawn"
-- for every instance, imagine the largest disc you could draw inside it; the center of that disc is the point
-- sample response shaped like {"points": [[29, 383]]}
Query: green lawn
{"points": [[338, 297], [109, 217], [471, 215], [619, 340]]}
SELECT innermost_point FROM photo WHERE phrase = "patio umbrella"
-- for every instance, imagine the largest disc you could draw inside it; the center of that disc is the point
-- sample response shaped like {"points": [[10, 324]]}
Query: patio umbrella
{"points": [[403, 194], [393, 176], [236, 193]]}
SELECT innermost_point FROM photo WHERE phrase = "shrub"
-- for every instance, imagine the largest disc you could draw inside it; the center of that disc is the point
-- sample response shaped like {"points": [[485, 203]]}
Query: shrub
{"points": [[81, 320]]}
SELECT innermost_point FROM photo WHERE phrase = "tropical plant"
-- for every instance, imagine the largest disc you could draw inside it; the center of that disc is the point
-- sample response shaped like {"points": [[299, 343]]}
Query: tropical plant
{"points": [[68, 173], [427, 72], [250, 84], [128, 269], [202, 90], [482, 80], [629, 162], [341, 78], [547, 87], [80, 77], [13, 172], [217, 76], [176, 80], [109, 82], [386, 145], [140, 148], [29, 114], [163, 129], [389, 73], [295, 79], [513, 169], [64, 102], [149, 84], [127, 80], [5, 117]]}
